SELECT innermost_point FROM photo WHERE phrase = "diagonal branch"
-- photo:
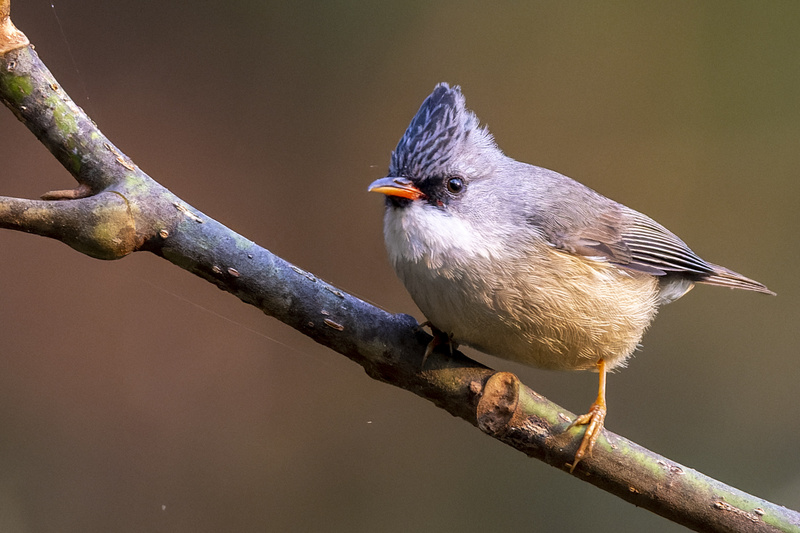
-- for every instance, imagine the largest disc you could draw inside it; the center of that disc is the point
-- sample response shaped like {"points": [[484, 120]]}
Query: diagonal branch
{"points": [[117, 209]]}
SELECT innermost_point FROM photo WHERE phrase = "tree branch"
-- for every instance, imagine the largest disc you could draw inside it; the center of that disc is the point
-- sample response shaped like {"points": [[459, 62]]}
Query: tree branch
{"points": [[117, 209]]}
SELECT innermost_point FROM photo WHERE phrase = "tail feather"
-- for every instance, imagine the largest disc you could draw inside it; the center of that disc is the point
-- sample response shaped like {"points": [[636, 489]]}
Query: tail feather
{"points": [[724, 277]]}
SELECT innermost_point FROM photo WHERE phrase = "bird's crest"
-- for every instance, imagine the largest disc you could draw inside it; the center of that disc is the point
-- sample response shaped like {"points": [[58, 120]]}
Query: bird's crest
{"points": [[437, 133]]}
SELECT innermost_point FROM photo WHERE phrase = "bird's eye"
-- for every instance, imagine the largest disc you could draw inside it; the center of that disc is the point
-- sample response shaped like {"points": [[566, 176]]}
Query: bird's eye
{"points": [[455, 185]]}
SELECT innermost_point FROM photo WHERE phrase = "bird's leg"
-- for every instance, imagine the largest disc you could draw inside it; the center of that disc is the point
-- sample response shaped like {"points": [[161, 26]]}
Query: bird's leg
{"points": [[439, 337], [593, 420]]}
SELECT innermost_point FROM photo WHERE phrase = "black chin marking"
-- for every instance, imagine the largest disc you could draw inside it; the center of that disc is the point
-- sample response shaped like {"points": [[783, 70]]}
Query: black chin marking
{"points": [[397, 201]]}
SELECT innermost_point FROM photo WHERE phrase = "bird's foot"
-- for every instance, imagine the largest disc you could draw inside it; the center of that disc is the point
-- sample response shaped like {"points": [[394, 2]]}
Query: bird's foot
{"points": [[439, 337], [594, 421]]}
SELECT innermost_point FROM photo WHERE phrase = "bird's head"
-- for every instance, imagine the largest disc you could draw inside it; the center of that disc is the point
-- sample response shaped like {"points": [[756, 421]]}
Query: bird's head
{"points": [[443, 150]]}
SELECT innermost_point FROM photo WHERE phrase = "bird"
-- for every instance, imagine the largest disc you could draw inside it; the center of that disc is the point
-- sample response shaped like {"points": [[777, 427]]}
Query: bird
{"points": [[524, 263]]}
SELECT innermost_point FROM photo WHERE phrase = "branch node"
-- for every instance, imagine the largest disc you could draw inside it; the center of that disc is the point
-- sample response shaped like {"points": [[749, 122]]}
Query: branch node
{"points": [[10, 37], [498, 403]]}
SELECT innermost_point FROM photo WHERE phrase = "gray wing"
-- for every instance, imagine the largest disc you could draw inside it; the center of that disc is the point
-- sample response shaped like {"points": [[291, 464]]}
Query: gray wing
{"points": [[636, 242], [632, 241], [642, 244], [578, 220]]}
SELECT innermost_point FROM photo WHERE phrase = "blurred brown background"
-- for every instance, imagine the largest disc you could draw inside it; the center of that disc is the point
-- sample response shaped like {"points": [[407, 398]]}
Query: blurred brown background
{"points": [[135, 397]]}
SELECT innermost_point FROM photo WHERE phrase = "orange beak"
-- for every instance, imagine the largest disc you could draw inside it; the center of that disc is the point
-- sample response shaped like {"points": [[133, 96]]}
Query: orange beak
{"points": [[400, 187]]}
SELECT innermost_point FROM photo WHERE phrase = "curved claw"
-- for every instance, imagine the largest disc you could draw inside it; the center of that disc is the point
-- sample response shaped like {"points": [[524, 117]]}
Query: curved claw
{"points": [[594, 420], [439, 337]]}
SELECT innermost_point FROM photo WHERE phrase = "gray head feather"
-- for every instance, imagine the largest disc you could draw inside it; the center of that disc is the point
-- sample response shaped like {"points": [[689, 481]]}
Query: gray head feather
{"points": [[441, 131]]}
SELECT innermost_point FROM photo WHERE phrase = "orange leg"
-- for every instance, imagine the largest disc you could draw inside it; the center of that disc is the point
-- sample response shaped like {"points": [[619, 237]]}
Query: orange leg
{"points": [[593, 420]]}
